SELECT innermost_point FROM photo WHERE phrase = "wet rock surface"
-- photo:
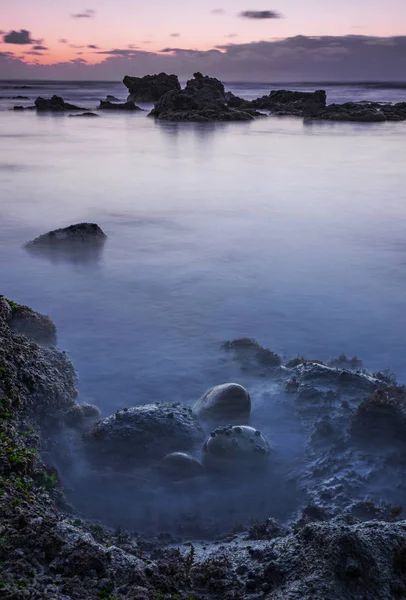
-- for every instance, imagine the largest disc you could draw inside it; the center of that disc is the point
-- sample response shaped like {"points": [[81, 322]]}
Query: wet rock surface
{"points": [[144, 433], [150, 88], [226, 403], [235, 449], [333, 543], [79, 233]]}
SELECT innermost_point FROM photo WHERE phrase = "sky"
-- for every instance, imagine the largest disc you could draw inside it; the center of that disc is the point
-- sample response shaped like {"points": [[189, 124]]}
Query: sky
{"points": [[102, 39]]}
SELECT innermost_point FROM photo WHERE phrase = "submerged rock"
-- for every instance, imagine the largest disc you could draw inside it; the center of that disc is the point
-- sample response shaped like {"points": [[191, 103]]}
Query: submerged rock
{"points": [[54, 104], [110, 98], [144, 433], [150, 88], [126, 106], [349, 111], [179, 465], [252, 355], [85, 114], [226, 403], [285, 102], [79, 233], [232, 449]]}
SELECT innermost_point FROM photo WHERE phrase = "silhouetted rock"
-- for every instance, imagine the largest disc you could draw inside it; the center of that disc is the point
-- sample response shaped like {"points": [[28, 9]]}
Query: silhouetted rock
{"points": [[235, 449], [54, 104], [126, 106], [79, 233], [151, 87], [285, 102], [183, 106], [110, 98], [205, 89], [349, 111], [85, 114], [144, 433], [226, 403]]}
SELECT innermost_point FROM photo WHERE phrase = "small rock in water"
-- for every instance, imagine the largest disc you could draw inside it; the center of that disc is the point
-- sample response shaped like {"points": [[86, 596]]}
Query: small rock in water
{"points": [[237, 448], [81, 232], [130, 106], [226, 403], [85, 114], [179, 465]]}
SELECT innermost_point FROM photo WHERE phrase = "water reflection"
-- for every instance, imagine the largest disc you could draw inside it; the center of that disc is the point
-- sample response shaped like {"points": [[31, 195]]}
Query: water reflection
{"points": [[77, 253]]}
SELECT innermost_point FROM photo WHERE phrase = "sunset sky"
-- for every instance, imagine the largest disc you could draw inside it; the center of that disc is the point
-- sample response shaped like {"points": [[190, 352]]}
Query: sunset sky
{"points": [[49, 32]]}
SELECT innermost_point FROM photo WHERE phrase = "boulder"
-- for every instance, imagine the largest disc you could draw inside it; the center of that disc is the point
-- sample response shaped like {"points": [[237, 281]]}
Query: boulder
{"points": [[128, 106], [226, 403], [81, 233], [151, 87], [54, 104], [145, 433], [32, 324], [235, 449], [179, 465]]}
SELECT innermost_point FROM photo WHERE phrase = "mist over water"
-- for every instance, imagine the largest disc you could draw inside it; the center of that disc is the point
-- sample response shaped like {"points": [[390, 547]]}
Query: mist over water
{"points": [[286, 232]]}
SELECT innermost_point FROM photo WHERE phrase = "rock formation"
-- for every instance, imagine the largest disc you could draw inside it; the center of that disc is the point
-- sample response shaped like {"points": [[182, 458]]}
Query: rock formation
{"points": [[151, 87], [231, 450], [128, 106], [80, 233], [226, 403], [54, 104]]}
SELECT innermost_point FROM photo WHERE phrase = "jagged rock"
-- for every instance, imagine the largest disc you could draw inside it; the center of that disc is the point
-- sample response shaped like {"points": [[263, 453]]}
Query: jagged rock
{"points": [[232, 449], [205, 89], [284, 102], [129, 106], [81, 233], [349, 111], [5, 309], [144, 433], [179, 465], [110, 98], [151, 87], [85, 114], [226, 403], [33, 324], [251, 353], [54, 104]]}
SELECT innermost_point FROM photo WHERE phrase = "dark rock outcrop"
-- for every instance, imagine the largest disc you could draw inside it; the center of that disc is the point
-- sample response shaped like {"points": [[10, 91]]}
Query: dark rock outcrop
{"points": [[349, 111], [151, 87], [205, 89], [54, 104], [32, 324], [226, 403], [142, 434], [284, 102], [85, 114], [126, 106], [79, 233], [110, 98]]}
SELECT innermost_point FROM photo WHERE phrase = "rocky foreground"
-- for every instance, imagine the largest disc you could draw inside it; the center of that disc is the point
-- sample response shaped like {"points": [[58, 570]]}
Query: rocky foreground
{"points": [[204, 99], [335, 546]]}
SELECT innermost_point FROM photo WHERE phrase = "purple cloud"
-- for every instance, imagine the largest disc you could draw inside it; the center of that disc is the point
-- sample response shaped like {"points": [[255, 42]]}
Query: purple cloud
{"points": [[175, 34], [218, 11], [87, 14], [40, 48], [18, 37], [231, 35], [118, 52], [63, 41], [93, 47], [260, 14]]}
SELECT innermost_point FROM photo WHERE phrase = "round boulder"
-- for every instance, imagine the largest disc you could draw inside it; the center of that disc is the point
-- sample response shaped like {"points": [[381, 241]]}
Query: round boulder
{"points": [[143, 434], [226, 403], [179, 465], [237, 448]]}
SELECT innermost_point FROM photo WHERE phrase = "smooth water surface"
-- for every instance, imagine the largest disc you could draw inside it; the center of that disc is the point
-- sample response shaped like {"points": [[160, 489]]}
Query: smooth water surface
{"points": [[290, 233]]}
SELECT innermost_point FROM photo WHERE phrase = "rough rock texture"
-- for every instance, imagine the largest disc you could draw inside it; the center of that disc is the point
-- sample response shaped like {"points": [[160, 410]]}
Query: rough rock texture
{"points": [[283, 102], [235, 449], [205, 89], [151, 87], [145, 433], [79, 233], [252, 354], [362, 112], [126, 106], [226, 403], [202, 100], [34, 325], [54, 104]]}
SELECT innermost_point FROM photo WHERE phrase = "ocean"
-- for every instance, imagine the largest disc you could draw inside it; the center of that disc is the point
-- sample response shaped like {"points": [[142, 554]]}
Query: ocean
{"points": [[286, 232]]}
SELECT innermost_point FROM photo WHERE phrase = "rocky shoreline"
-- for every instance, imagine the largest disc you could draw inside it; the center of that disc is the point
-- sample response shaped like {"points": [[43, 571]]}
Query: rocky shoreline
{"points": [[340, 540], [204, 99]]}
